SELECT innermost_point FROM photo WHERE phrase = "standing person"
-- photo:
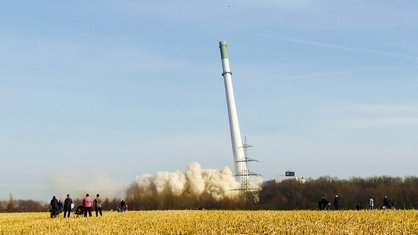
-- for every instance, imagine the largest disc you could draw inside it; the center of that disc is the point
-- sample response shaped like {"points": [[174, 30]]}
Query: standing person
{"points": [[387, 204], [98, 205], [88, 204], [324, 203], [122, 206], [358, 206], [371, 203], [336, 202], [54, 207], [67, 206]]}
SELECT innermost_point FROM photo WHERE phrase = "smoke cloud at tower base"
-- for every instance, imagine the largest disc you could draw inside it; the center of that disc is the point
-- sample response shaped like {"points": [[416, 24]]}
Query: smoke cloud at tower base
{"points": [[219, 184]]}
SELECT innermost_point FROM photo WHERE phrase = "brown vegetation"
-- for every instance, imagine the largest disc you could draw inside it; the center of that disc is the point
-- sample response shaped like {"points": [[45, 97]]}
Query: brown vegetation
{"points": [[285, 195], [293, 195], [290, 194]]}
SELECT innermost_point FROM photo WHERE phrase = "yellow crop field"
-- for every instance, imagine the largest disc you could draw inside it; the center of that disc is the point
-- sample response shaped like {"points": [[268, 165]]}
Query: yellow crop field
{"points": [[216, 222]]}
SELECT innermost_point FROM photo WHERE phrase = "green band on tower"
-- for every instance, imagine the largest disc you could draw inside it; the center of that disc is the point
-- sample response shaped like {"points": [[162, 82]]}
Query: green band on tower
{"points": [[224, 49]]}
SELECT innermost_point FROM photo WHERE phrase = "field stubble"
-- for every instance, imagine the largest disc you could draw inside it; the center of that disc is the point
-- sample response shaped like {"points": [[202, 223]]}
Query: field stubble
{"points": [[216, 222]]}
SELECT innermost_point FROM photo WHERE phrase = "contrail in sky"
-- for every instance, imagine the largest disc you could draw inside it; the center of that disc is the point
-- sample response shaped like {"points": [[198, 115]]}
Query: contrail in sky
{"points": [[338, 47]]}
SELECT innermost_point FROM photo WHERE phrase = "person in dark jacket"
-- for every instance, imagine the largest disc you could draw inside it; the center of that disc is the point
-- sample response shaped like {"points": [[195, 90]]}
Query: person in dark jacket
{"points": [[68, 202], [336, 202], [387, 203], [54, 207], [324, 203], [122, 206]]}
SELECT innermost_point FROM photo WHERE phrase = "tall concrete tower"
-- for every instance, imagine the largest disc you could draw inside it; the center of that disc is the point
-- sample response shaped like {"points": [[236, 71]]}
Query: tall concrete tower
{"points": [[240, 161]]}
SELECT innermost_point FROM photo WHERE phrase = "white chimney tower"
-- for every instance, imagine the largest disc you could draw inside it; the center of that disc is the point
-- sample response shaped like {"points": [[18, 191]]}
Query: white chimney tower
{"points": [[240, 161]]}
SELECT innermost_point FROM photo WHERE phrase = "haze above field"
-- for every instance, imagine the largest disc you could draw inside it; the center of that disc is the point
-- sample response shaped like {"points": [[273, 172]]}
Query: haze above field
{"points": [[95, 93]]}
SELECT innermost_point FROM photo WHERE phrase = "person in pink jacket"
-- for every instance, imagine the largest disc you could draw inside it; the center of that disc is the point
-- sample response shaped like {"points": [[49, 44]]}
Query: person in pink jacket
{"points": [[88, 204]]}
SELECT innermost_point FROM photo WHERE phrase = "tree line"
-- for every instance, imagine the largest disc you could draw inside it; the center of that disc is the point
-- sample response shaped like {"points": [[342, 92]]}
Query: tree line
{"points": [[355, 192], [14, 205], [290, 194], [293, 194]]}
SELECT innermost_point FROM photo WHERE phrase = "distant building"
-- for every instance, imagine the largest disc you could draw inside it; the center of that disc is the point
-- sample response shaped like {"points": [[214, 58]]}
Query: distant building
{"points": [[289, 175]]}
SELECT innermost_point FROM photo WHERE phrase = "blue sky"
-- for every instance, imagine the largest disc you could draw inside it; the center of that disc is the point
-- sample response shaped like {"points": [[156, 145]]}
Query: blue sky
{"points": [[99, 92]]}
